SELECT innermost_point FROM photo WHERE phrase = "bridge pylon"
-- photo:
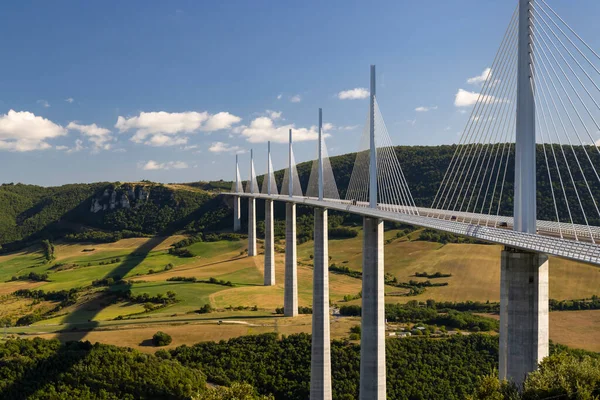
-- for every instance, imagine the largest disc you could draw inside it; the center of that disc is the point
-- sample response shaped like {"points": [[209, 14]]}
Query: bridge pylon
{"points": [[290, 296], [320, 365], [372, 342], [524, 338]]}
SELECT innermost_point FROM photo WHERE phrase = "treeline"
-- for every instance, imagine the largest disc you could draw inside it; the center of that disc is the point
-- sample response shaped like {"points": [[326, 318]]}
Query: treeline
{"points": [[193, 279], [301, 310], [413, 312], [32, 276], [102, 237]]}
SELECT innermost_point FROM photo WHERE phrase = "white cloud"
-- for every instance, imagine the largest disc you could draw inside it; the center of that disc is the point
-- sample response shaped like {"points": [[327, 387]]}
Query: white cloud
{"points": [[69, 100], [43, 103], [220, 147], [168, 129], [153, 165], [78, 146], [296, 98], [464, 98], [348, 128], [279, 96], [263, 129], [480, 78], [62, 147], [24, 131], [353, 94], [425, 109], [412, 122], [100, 137], [274, 114]]}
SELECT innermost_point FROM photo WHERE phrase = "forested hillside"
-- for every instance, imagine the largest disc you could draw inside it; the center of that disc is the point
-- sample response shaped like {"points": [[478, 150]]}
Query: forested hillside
{"points": [[104, 211], [97, 211]]}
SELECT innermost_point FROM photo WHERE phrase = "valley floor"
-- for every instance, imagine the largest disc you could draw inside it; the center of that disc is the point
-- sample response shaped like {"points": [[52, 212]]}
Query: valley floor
{"points": [[247, 307]]}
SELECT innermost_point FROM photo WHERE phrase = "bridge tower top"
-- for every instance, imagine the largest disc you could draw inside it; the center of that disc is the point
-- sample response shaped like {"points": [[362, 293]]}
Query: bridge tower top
{"points": [[373, 149], [525, 167]]}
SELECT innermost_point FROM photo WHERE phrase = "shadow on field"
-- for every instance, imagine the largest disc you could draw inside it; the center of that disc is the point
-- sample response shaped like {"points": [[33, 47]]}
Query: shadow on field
{"points": [[80, 321]]}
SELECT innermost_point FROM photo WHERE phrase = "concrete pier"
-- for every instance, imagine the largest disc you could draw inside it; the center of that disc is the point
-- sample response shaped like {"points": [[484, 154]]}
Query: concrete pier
{"points": [[290, 297], [269, 245], [320, 363], [237, 214], [251, 227], [523, 313], [372, 342]]}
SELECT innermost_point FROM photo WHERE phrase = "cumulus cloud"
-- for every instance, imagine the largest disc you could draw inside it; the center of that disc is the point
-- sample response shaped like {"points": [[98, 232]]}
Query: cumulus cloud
{"points": [[353, 94], [296, 98], [425, 109], [279, 96], [480, 78], [168, 129], [100, 137], [220, 147], [69, 100], [263, 129], [43, 103], [24, 131], [465, 98], [153, 165]]}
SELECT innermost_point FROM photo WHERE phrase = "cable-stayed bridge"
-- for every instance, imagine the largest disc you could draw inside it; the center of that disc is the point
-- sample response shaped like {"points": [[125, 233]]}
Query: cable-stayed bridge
{"points": [[531, 140]]}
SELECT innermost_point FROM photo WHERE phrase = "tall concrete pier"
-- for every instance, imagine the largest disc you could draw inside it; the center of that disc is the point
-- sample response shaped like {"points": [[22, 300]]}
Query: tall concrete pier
{"points": [[524, 275], [372, 343], [269, 245], [252, 211], [290, 297], [320, 363], [269, 274], [237, 212], [523, 313], [252, 227]]}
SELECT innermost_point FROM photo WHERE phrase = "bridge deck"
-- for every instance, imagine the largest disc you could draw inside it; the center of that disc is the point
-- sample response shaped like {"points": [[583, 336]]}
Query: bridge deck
{"points": [[477, 226]]}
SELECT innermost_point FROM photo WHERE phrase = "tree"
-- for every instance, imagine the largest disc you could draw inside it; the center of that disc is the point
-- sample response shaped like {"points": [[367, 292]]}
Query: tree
{"points": [[161, 339]]}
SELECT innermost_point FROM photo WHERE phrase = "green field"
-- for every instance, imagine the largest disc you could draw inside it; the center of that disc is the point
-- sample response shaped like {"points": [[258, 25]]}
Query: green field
{"points": [[474, 268]]}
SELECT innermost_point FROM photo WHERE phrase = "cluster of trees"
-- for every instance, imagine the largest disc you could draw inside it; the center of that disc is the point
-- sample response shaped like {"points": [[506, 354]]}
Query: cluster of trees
{"points": [[32, 276], [592, 303], [101, 236], [181, 252], [414, 312], [342, 232], [344, 270], [417, 368], [301, 310], [430, 235], [564, 375], [47, 369], [435, 275], [210, 280], [64, 297], [160, 298], [48, 250]]}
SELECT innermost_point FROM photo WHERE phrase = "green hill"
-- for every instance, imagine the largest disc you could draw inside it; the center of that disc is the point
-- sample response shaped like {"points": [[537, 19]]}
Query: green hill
{"points": [[97, 211]]}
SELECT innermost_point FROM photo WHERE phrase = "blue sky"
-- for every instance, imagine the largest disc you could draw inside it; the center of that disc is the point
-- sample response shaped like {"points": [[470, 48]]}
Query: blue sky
{"points": [[170, 91]]}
